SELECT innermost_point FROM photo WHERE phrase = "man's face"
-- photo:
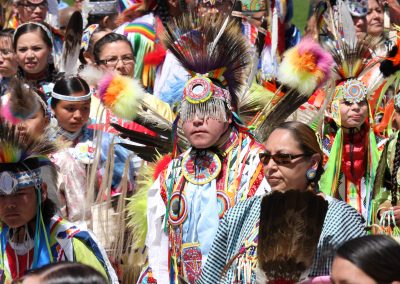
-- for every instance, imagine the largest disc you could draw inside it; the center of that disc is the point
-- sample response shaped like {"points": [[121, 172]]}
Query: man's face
{"points": [[32, 10], [18, 208]]}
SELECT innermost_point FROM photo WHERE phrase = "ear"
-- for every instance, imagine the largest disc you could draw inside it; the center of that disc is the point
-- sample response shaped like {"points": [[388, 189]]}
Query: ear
{"points": [[315, 160], [88, 57], [44, 191], [229, 115], [104, 21]]}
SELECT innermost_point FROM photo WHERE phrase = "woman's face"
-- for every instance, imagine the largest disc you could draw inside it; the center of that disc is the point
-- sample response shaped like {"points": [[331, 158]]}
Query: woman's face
{"points": [[35, 125], [291, 175], [375, 18], [353, 115], [344, 271], [32, 53], [117, 56], [8, 60], [72, 116], [19, 208]]}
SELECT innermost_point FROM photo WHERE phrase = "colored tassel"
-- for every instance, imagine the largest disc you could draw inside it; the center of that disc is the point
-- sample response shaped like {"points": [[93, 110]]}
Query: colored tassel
{"points": [[305, 67], [121, 95], [155, 57]]}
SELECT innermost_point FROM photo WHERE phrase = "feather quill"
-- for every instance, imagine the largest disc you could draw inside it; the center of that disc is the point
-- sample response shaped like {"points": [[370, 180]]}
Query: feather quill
{"points": [[72, 45]]}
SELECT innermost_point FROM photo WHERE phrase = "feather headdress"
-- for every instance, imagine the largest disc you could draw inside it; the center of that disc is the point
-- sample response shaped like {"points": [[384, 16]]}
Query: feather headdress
{"points": [[213, 51], [304, 68], [20, 102], [21, 156], [290, 227]]}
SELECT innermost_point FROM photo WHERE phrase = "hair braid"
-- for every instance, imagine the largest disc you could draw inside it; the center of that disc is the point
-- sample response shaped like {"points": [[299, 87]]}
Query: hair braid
{"points": [[396, 166]]}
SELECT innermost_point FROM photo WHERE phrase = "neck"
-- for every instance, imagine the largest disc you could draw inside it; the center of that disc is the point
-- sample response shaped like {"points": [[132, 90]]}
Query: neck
{"points": [[36, 77], [354, 129], [224, 137]]}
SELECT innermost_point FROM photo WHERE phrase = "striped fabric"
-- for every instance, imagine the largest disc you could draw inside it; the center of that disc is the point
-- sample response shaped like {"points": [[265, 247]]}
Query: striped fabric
{"points": [[342, 223]]}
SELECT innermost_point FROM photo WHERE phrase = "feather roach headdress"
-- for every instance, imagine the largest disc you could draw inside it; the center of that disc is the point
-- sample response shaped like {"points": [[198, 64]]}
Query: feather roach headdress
{"points": [[290, 227], [303, 69], [216, 55]]}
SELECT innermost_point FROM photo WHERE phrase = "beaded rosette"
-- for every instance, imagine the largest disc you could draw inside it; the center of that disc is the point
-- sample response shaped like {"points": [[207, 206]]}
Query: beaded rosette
{"points": [[201, 167], [202, 98], [352, 91]]}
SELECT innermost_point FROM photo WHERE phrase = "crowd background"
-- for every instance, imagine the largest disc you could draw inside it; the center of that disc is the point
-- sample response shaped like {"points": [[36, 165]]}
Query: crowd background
{"points": [[199, 141]]}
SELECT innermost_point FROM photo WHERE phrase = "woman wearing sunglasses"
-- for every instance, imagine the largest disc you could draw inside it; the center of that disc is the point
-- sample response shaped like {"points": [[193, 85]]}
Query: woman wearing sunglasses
{"points": [[292, 160]]}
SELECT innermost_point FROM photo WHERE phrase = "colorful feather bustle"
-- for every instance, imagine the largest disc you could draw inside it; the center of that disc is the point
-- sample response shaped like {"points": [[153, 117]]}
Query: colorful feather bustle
{"points": [[19, 104], [204, 44], [121, 95], [304, 68], [290, 227]]}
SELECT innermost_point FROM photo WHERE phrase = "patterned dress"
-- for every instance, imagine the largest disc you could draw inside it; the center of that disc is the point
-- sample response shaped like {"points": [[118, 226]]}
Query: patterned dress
{"points": [[185, 204], [238, 234]]}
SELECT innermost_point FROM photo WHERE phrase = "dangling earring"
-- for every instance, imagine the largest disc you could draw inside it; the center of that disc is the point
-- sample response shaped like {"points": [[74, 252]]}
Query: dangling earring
{"points": [[310, 174]]}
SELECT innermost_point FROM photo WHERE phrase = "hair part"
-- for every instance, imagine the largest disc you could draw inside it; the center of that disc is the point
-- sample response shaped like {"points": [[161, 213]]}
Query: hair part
{"points": [[69, 86], [29, 28], [378, 256]]}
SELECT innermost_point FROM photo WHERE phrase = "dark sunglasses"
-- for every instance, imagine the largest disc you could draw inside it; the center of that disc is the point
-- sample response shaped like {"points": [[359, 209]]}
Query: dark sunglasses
{"points": [[279, 158]]}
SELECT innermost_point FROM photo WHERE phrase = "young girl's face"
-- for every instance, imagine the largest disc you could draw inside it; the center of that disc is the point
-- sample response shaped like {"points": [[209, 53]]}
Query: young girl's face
{"points": [[72, 116]]}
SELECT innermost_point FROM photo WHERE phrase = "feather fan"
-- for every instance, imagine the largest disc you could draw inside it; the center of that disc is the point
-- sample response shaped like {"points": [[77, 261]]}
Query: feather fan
{"points": [[206, 43], [20, 103], [72, 45], [290, 227]]}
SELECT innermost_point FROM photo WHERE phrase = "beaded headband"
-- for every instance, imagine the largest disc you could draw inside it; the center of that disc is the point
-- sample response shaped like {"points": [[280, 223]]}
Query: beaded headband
{"points": [[72, 98], [43, 27], [203, 98], [11, 182]]}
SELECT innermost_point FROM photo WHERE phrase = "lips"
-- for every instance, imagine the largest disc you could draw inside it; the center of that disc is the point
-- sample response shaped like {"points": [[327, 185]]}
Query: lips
{"points": [[30, 64]]}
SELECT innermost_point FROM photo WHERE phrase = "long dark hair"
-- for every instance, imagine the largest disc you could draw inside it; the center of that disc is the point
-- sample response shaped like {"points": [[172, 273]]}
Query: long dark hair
{"points": [[308, 142], [68, 86], [378, 256]]}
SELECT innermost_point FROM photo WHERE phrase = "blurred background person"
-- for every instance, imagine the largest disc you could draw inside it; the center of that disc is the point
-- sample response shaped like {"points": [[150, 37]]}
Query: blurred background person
{"points": [[8, 59], [371, 259]]}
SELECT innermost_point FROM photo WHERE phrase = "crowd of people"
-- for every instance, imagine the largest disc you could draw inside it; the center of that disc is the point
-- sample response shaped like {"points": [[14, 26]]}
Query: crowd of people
{"points": [[199, 141]]}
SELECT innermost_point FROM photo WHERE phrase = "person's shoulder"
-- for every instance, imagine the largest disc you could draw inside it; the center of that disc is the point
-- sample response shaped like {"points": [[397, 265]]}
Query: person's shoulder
{"points": [[340, 211], [245, 208]]}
